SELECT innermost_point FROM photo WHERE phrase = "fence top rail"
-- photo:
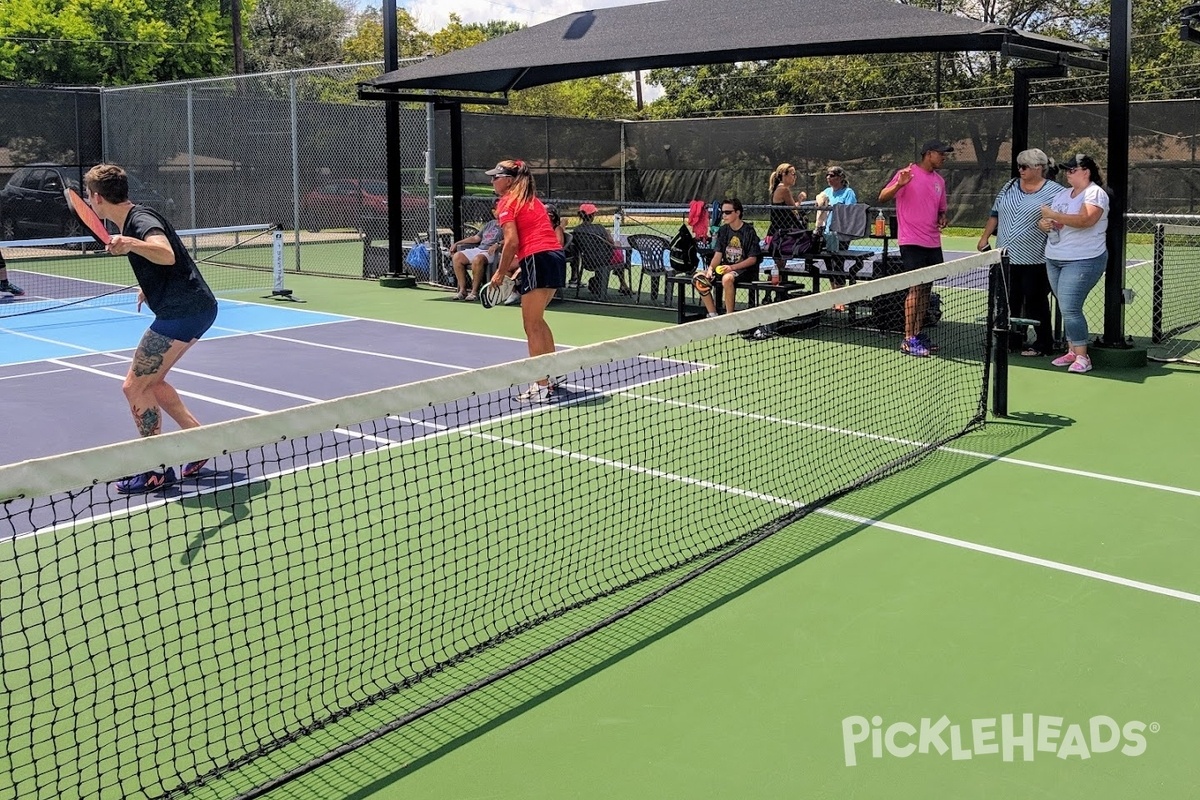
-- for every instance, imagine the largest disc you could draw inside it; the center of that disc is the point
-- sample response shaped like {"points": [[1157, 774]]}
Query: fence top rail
{"points": [[248, 76], [1165, 217]]}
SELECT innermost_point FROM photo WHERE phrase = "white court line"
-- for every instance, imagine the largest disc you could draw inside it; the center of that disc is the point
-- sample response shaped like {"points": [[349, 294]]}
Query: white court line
{"points": [[1080, 473], [177, 370], [220, 402], [193, 395], [1057, 566], [31, 374], [341, 349], [67, 345], [471, 429]]}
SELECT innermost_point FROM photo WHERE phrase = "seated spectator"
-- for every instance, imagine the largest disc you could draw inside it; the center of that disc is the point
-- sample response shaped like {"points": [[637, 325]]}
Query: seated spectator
{"points": [[837, 193], [784, 201], [736, 255], [587, 224], [560, 231], [480, 252]]}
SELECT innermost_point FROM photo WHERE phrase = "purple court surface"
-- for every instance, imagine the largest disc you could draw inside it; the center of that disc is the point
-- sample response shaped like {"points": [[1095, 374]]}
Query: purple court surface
{"points": [[60, 381]]}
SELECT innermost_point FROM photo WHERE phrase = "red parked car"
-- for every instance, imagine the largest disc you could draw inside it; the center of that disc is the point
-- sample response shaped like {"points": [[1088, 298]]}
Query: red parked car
{"points": [[343, 203]]}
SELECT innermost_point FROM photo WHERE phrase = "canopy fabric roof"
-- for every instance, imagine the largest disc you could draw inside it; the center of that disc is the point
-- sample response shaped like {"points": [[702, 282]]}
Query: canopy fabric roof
{"points": [[680, 33]]}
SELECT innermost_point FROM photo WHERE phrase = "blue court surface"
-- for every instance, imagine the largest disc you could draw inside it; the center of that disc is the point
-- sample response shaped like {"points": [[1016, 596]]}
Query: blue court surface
{"points": [[61, 371]]}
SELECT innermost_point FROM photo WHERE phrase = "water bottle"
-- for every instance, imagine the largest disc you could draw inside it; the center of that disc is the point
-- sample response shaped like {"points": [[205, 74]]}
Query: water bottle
{"points": [[775, 274], [880, 225], [1052, 235]]}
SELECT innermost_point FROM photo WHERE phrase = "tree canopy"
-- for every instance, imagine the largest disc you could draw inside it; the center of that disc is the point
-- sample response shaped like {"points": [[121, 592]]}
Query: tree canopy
{"points": [[115, 42]]}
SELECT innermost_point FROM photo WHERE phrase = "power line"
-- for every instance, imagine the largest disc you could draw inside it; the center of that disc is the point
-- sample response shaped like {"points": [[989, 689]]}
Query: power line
{"points": [[159, 42]]}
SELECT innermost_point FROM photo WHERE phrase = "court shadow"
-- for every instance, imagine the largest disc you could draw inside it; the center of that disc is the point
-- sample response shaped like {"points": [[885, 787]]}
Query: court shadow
{"points": [[647, 313], [362, 773], [1152, 370], [227, 493]]}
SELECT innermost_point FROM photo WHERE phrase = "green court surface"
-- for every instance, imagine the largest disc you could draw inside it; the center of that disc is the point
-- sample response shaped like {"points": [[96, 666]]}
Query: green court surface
{"points": [[1042, 566]]}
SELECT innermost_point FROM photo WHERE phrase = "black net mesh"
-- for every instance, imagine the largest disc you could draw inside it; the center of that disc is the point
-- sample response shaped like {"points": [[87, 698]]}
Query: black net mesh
{"points": [[342, 568]]}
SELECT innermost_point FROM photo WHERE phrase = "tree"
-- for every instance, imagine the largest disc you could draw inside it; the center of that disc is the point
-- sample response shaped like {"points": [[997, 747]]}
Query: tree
{"points": [[288, 34], [110, 42], [365, 42]]}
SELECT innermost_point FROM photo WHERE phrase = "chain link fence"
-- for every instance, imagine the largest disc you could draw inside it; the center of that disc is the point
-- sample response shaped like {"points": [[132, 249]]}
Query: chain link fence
{"points": [[292, 148], [1162, 280], [298, 149]]}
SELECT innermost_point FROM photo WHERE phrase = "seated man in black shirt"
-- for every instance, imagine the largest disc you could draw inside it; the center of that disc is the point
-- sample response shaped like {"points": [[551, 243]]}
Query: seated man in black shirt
{"points": [[172, 287], [736, 255]]}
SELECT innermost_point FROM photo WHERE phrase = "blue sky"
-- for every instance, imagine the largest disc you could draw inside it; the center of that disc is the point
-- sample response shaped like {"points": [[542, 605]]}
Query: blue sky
{"points": [[432, 15]]}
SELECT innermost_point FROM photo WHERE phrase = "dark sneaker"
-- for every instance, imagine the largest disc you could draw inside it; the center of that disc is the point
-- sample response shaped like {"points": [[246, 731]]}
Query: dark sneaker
{"points": [[193, 469], [11, 288], [150, 481], [758, 334], [914, 347]]}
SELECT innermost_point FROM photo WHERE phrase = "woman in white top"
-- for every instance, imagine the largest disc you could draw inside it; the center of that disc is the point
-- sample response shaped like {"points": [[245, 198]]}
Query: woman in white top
{"points": [[1075, 222]]}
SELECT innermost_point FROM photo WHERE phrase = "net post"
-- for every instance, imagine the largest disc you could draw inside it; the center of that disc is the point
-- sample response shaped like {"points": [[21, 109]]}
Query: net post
{"points": [[1000, 325], [277, 289]]}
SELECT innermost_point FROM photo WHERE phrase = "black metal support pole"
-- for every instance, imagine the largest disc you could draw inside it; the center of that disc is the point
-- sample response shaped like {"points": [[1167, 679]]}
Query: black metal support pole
{"points": [[1020, 115], [1020, 125], [458, 181], [1119, 33], [391, 145]]}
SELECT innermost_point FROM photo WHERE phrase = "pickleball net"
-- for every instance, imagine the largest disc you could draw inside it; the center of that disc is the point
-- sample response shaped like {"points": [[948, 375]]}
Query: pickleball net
{"points": [[342, 569], [65, 273], [1175, 302]]}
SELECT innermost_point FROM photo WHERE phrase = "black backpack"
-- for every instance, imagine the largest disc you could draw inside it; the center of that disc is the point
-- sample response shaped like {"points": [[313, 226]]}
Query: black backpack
{"points": [[683, 251]]}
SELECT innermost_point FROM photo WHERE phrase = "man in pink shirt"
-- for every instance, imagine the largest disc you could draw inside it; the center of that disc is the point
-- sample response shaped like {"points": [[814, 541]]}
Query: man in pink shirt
{"points": [[920, 195]]}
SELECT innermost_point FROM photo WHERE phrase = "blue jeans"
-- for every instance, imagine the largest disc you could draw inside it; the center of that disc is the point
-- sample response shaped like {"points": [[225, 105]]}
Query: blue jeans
{"points": [[1071, 281]]}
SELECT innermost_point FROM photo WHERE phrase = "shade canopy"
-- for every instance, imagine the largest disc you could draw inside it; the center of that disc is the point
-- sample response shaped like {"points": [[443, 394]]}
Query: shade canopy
{"points": [[681, 33]]}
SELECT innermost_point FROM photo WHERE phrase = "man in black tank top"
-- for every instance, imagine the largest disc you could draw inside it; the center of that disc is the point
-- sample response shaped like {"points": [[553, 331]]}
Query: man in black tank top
{"points": [[183, 305]]}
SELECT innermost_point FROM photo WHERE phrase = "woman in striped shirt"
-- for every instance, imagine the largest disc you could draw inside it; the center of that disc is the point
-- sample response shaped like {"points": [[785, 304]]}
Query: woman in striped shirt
{"points": [[1015, 214]]}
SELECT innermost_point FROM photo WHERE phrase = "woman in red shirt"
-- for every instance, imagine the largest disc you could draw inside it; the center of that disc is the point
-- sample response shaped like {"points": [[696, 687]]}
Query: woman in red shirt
{"points": [[533, 256]]}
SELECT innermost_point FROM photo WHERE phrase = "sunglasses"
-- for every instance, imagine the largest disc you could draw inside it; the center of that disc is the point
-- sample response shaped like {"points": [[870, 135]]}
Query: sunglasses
{"points": [[1028, 166], [728, 211]]}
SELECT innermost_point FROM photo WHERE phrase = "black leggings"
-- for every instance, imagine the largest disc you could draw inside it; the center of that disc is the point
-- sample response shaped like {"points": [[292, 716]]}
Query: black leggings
{"points": [[1029, 297]]}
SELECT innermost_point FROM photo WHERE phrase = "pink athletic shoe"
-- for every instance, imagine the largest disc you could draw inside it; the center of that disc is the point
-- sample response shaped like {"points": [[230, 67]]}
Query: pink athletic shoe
{"points": [[1080, 364], [1065, 360]]}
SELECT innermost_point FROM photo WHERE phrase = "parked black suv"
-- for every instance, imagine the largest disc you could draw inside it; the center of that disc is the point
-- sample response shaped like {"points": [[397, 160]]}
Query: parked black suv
{"points": [[32, 203]]}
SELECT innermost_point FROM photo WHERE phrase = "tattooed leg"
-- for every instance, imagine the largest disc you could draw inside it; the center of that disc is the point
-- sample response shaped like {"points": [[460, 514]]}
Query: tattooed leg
{"points": [[148, 359], [172, 405], [148, 420], [146, 388]]}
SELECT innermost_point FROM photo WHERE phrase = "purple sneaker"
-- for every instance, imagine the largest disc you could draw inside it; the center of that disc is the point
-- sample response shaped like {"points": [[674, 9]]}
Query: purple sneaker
{"points": [[923, 338], [913, 347], [150, 481], [192, 469]]}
